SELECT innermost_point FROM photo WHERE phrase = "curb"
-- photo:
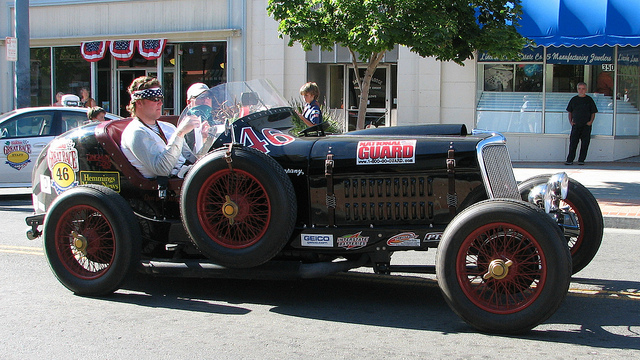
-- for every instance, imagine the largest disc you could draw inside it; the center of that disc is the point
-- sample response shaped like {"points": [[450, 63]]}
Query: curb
{"points": [[619, 222]]}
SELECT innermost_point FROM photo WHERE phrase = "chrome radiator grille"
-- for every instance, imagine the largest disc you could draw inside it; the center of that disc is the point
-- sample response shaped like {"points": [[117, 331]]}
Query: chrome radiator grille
{"points": [[497, 172]]}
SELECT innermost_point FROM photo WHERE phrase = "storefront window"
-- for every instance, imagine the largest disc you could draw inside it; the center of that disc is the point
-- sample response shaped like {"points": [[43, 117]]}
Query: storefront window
{"points": [[203, 62], [628, 96], [104, 84], [512, 96], [72, 72], [41, 77]]}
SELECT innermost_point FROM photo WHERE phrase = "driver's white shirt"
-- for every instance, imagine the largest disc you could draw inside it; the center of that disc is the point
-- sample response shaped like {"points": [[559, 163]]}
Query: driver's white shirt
{"points": [[148, 153]]}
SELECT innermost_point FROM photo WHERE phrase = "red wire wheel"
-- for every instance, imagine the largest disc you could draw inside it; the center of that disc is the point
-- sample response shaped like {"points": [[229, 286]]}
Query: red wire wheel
{"points": [[234, 208], [85, 242], [503, 266], [91, 239], [501, 269], [585, 235], [239, 208]]}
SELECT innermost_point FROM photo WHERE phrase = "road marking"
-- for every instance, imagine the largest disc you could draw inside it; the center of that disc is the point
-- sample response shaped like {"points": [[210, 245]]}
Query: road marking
{"points": [[27, 250], [624, 295]]}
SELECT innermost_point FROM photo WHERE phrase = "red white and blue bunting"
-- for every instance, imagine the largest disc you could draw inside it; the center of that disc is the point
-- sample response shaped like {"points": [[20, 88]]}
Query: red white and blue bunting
{"points": [[93, 51], [123, 50], [151, 49]]}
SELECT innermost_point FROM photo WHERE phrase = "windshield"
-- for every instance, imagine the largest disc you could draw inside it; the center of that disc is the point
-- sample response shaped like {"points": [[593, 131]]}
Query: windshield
{"points": [[227, 103]]}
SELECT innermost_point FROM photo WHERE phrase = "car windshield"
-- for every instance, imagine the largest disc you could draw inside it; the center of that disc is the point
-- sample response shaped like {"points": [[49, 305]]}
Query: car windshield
{"points": [[229, 102]]}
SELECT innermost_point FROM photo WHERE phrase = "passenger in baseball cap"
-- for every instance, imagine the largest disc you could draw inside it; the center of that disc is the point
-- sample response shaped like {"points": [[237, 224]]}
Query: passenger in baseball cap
{"points": [[195, 90]]}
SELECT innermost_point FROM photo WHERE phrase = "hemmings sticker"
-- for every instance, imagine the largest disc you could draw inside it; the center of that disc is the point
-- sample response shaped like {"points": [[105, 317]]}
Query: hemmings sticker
{"points": [[404, 239], [18, 153], [433, 236], [386, 152], [352, 242], [110, 179], [62, 160], [320, 240]]}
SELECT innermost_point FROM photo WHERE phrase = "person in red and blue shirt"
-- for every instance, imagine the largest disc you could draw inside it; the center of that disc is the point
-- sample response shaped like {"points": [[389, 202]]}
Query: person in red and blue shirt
{"points": [[311, 114]]}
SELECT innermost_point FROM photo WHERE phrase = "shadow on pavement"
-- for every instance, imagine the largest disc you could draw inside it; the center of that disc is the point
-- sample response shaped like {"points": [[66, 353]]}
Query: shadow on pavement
{"points": [[403, 302]]}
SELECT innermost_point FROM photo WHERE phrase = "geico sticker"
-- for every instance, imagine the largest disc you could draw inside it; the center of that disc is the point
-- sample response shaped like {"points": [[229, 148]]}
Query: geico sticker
{"points": [[321, 240]]}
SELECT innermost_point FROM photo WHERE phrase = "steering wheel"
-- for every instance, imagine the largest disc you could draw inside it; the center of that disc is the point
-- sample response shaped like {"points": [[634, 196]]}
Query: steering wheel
{"points": [[318, 129]]}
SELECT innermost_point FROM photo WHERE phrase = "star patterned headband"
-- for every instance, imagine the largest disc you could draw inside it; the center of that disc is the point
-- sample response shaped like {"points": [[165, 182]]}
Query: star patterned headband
{"points": [[155, 92]]}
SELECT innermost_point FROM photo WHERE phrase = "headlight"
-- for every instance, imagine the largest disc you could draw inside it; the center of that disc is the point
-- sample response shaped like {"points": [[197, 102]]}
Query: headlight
{"points": [[550, 194]]}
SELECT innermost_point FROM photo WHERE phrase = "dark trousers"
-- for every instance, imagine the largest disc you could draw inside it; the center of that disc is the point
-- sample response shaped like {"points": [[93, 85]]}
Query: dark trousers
{"points": [[580, 133]]}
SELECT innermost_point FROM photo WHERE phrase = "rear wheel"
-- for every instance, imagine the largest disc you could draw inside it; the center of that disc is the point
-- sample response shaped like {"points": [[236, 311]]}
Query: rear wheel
{"points": [[91, 240], [502, 267], [585, 236], [239, 217]]}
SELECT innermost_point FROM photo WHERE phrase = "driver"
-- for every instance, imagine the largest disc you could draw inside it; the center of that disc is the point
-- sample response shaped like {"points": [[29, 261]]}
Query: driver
{"points": [[155, 148]]}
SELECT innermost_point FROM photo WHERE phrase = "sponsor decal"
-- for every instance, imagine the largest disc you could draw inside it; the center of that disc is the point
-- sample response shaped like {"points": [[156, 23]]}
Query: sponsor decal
{"points": [[18, 153], [102, 161], [386, 152], [404, 239], [352, 242], [321, 240], [62, 160], [110, 179], [296, 172], [433, 236]]}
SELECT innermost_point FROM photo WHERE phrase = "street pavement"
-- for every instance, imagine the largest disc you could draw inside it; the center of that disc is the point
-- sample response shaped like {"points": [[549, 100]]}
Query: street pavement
{"points": [[615, 185]]}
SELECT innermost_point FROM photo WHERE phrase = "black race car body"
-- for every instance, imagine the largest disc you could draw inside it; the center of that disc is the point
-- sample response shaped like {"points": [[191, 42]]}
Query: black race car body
{"points": [[262, 198]]}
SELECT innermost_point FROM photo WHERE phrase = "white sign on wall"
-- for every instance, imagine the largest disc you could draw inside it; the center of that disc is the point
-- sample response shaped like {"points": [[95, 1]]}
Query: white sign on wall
{"points": [[12, 48]]}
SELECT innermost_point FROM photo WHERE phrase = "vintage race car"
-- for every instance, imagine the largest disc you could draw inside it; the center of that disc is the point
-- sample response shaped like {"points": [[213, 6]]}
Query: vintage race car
{"points": [[264, 201]]}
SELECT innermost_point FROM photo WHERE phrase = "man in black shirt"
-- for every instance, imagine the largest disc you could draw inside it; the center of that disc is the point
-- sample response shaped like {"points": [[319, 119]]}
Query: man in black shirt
{"points": [[582, 111]]}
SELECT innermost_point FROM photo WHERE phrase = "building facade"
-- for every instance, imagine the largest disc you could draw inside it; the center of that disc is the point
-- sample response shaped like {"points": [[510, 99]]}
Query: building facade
{"points": [[214, 41]]}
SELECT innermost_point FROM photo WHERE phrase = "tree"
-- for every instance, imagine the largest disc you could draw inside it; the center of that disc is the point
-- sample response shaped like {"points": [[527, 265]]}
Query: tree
{"points": [[450, 30]]}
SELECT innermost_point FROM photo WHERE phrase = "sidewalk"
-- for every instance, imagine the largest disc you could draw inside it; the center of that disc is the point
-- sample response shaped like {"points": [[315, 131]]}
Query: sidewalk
{"points": [[616, 185]]}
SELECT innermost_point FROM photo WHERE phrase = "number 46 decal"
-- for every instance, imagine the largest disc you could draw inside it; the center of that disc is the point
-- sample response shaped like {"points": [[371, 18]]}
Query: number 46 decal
{"points": [[248, 137]]}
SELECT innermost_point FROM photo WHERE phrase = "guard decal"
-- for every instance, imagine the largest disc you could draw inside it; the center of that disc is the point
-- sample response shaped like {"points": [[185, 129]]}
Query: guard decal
{"points": [[62, 160], [404, 239], [386, 152], [18, 153], [110, 179], [320, 240], [353, 242]]}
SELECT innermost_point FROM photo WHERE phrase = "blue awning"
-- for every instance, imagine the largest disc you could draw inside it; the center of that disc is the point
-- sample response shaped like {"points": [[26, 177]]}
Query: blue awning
{"points": [[581, 22]]}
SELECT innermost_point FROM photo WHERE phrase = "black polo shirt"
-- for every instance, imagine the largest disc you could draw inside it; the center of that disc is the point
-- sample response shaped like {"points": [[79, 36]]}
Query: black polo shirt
{"points": [[581, 109]]}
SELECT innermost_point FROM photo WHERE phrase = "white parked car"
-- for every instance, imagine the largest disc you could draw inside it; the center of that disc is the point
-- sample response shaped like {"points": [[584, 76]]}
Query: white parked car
{"points": [[25, 132]]}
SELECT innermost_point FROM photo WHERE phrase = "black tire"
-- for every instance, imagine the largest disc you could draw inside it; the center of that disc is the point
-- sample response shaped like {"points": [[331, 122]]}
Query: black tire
{"points": [[583, 204], [523, 242], [258, 199], [91, 240]]}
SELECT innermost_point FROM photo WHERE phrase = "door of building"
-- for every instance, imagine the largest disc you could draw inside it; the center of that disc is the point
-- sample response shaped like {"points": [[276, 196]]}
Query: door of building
{"points": [[125, 77], [378, 104]]}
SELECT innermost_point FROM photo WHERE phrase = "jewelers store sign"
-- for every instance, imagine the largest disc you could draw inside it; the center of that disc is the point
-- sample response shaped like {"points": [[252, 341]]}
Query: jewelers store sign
{"points": [[580, 55]]}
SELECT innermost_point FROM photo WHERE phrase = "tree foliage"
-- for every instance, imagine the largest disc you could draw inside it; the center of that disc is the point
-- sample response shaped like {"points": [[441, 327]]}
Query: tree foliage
{"points": [[449, 30]]}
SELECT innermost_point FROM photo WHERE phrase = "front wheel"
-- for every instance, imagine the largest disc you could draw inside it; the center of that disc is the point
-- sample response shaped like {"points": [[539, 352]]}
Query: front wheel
{"points": [[240, 213], [583, 224], [91, 240], [502, 267]]}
